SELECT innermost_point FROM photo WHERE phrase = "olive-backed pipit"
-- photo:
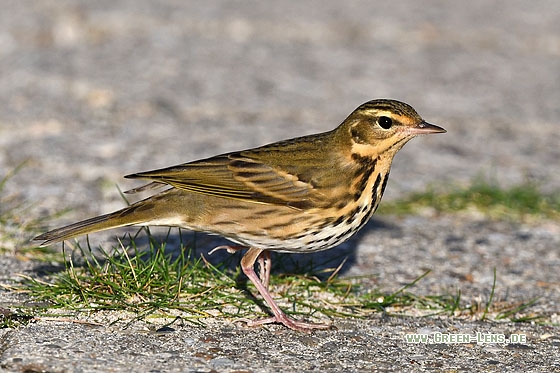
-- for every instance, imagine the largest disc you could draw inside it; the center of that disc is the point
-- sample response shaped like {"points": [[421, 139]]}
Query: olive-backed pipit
{"points": [[301, 195]]}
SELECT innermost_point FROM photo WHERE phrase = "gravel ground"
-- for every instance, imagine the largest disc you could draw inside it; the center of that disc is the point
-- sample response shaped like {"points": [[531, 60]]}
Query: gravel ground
{"points": [[90, 91]]}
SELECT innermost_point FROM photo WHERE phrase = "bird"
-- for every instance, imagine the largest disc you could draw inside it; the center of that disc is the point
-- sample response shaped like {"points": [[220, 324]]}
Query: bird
{"points": [[300, 195]]}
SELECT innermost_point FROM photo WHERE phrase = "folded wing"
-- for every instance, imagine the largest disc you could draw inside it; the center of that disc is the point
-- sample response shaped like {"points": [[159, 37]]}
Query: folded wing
{"points": [[254, 175]]}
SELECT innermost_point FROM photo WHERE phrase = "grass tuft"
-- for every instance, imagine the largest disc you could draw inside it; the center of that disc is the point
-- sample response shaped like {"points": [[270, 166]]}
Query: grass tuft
{"points": [[13, 319], [18, 225], [158, 282], [139, 281], [518, 202]]}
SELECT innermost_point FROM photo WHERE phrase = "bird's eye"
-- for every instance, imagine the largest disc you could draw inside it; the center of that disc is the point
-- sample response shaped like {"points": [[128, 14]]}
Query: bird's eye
{"points": [[385, 122]]}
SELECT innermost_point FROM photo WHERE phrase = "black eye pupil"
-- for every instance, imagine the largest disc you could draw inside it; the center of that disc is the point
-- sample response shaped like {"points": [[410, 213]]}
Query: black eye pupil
{"points": [[385, 122]]}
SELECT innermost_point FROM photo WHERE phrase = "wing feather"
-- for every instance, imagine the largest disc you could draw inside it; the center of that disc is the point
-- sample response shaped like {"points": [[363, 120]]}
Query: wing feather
{"points": [[282, 173]]}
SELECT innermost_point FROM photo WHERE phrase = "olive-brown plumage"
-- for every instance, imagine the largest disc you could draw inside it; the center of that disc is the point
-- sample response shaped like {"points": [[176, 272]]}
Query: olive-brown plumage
{"points": [[300, 195]]}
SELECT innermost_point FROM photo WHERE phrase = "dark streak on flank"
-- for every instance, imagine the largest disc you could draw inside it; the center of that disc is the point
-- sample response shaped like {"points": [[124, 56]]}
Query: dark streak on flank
{"points": [[374, 189], [364, 171], [353, 215], [326, 239], [340, 220], [342, 204], [384, 184], [365, 218], [327, 223]]}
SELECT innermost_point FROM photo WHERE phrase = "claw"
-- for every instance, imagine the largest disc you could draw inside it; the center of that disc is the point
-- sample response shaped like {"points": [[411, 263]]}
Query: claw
{"points": [[229, 249], [286, 321], [247, 265]]}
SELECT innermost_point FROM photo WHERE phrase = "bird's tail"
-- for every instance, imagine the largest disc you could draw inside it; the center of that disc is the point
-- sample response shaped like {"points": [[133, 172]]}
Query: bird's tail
{"points": [[144, 212], [116, 219]]}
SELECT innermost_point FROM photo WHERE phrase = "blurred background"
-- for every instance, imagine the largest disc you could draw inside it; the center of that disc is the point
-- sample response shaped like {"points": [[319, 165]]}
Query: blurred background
{"points": [[93, 90]]}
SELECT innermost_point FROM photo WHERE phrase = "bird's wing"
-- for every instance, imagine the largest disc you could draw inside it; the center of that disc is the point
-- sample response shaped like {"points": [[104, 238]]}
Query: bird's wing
{"points": [[259, 175]]}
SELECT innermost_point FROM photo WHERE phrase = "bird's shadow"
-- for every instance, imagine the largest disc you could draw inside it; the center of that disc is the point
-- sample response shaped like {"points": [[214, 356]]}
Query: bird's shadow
{"points": [[320, 265]]}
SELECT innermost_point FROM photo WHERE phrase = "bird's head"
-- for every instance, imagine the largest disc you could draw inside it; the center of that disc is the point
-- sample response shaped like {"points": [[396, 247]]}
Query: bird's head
{"points": [[383, 126]]}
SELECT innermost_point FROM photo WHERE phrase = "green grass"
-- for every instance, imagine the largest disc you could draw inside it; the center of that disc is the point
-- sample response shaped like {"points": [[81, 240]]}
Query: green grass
{"points": [[13, 319], [12, 222], [18, 224], [158, 283], [518, 202]]}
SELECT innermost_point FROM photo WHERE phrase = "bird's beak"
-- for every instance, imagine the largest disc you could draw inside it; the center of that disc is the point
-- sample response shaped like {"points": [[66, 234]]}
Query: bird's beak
{"points": [[425, 128]]}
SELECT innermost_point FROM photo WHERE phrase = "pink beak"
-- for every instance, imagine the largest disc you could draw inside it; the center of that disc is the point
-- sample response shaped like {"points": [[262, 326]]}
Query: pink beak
{"points": [[425, 128]]}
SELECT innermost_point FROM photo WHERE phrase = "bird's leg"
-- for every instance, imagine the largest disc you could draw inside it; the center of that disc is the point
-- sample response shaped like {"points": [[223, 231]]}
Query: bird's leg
{"points": [[247, 265], [265, 265], [264, 260]]}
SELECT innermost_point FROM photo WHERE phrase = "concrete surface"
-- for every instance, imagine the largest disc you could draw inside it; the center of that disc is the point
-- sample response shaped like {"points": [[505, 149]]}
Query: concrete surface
{"points": [[91, 91]]}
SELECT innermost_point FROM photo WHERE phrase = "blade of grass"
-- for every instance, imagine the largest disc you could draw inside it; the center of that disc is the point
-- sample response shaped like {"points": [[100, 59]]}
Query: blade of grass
{"points": [[491, 298], [517, 202], [156, 282]]}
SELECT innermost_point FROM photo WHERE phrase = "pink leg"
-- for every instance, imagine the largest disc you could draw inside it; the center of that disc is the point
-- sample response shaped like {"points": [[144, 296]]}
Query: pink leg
{"points": [[265, 264], [264, 260], [247, 265]]}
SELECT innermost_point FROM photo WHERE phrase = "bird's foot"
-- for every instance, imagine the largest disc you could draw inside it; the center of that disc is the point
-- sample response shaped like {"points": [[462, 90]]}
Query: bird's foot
{"points": [[300, 326], [229, 249]]}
